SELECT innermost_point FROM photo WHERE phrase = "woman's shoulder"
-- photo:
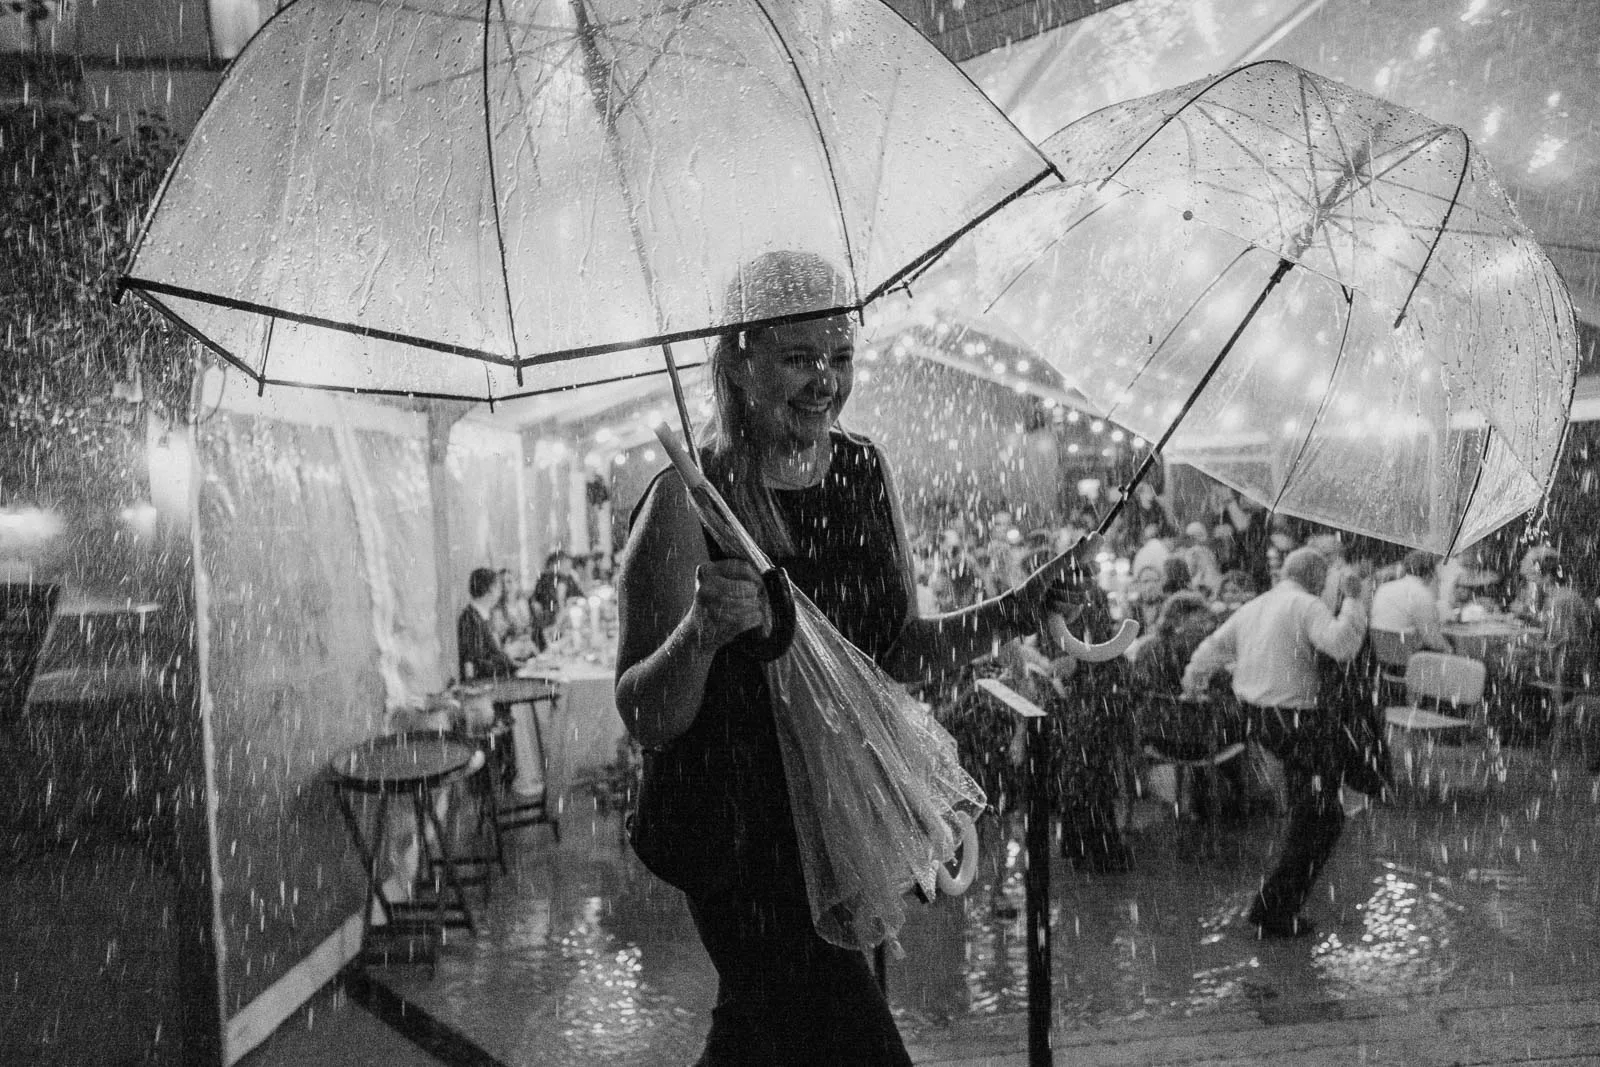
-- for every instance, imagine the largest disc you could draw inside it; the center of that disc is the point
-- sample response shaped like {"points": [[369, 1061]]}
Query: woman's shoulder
{"points": [[665, 497], [858, 455], [849, 444]]}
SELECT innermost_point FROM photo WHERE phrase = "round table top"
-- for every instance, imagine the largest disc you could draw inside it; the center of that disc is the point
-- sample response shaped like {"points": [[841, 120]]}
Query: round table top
{"points": [[1488, 628], [401, 761]]}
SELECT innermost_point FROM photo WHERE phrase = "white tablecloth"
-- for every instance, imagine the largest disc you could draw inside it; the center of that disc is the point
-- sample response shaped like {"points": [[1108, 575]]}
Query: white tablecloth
{"points": [[580, 731]]}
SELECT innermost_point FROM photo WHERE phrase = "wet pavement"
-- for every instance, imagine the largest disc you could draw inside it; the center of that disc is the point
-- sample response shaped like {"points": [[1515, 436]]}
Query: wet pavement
{"points": [[584, 959]]}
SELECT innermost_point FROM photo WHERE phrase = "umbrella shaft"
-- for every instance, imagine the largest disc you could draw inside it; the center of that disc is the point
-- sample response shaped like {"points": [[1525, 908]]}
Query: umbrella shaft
{"points": [[1284, 266]]}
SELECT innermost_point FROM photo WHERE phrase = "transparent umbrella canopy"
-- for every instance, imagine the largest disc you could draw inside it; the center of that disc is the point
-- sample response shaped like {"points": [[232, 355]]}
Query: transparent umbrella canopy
{"points": [[1324, 299], [453, 198]]}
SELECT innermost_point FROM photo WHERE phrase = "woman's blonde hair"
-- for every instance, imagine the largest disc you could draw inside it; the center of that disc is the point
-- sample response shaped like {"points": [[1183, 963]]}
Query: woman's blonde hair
{"points": [[770, 287]]}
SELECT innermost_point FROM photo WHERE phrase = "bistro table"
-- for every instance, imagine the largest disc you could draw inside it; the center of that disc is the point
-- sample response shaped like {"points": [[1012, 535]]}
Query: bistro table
{"points": [[580, 724], [408, 769], [1491, 639]]}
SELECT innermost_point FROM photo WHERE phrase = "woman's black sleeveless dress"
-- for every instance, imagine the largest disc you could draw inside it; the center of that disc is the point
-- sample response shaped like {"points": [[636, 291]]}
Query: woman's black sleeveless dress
{"points": [[713, 815]]}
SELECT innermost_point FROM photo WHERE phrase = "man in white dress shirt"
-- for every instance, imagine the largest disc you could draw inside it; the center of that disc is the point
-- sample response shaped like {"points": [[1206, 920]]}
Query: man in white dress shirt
{"points": [[1410, 604], [1271, 645]]}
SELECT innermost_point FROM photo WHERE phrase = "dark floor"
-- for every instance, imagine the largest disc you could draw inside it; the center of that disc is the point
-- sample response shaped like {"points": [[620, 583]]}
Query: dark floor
{"points": [[1475, 916]]}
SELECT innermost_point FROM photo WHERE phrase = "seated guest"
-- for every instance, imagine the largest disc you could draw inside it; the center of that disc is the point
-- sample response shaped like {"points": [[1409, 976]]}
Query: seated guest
{"points": [[556, 584], [1248, 535], [1160, 657], [1153, 551], [1185, 729], [500, 617], [1238, 589], [480, 653], [1409, 604], [1175, 576], [1144, 596], [1147, 509], [1565, 652], [1466, 578], [1529, 599], [1202, 560]]}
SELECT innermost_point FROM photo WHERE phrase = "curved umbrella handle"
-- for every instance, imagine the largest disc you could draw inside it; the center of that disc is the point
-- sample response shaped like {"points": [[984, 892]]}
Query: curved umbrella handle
{"points": [[1086, 653], [780, 594], [956, 884]]}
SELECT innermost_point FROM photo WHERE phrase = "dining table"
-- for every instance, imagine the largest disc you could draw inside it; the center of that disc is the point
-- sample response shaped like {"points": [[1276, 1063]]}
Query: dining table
{"points": [[1491, 638], [574, 697]]}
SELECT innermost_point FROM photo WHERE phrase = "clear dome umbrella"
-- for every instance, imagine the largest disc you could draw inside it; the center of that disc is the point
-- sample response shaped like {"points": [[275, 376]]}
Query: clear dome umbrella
{"points": [[1322, 299], [484, 199]]}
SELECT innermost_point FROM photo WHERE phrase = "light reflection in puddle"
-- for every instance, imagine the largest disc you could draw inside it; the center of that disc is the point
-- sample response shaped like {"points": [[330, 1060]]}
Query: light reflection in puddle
{"points": [[587, 961]]}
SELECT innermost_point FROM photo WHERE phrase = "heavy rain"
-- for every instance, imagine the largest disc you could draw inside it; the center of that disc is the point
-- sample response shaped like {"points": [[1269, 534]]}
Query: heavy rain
{"points": [[346, 343]]}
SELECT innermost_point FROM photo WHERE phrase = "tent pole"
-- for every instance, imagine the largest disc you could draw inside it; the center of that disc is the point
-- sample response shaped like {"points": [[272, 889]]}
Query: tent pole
{"points": [[683, 408]]}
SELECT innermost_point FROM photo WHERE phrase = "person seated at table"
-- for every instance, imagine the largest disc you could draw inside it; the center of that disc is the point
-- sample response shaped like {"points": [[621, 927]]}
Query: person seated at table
{"points": [[556, 584], [1409, 604], [1237, 590], [1144, 596], [1464, 578], [480, 653], [1160, 655], [1183, 728], [1529, 600], [1147, 509], [1152, 552], [1248, 534], [1175, 576], [1197, 552], [1564, 653]]}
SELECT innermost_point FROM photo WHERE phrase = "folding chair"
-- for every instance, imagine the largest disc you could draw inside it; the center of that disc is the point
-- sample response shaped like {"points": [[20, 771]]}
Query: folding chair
{"points": [[1178, 732], [1437, 751], [1571, 678], [1392, 649]]}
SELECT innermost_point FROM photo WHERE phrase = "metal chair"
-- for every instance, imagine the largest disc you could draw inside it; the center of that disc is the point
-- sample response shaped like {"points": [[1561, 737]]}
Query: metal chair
{"points": [[1180, 733], [1392, 649], [1437, 751], [1572, 677]]}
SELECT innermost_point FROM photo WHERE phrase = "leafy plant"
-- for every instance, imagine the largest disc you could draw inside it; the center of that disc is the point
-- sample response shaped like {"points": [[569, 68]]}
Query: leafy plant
{"points": [[78, 185]]}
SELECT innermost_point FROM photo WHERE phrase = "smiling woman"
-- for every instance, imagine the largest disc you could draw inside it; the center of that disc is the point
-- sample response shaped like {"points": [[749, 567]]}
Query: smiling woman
{"points": [[714, 814]]}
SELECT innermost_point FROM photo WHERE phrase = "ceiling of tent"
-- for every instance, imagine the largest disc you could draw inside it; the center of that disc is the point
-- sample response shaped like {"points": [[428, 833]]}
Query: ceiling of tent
{"points": [[1520, 76]]}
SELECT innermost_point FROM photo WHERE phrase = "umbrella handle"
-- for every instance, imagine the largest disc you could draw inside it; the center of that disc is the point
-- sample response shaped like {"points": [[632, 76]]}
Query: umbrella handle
{"points": [[954, 885], [1087, 653], [780, 594]]}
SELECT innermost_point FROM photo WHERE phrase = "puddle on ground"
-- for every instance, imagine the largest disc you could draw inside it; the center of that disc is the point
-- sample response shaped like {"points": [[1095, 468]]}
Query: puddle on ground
{"points": [[586, 960]]}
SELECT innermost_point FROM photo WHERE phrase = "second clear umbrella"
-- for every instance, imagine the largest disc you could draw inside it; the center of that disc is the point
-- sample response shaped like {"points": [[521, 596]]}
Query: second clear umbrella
{"points": [[1324, 299]]}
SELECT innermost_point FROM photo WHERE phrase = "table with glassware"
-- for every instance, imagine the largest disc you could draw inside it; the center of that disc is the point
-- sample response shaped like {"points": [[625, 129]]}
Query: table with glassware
{"points": [[1489, 637]]}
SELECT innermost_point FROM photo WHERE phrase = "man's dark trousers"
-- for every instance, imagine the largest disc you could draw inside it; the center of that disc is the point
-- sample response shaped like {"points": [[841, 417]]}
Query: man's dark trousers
{"points": [[1313, 746]]}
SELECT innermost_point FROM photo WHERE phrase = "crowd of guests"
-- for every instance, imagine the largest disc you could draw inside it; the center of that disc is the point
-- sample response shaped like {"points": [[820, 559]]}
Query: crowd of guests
{"points": [[1255, 629], [1227, 553]]}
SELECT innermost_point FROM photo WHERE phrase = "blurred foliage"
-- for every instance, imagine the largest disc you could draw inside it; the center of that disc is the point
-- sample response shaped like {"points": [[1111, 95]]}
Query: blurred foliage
{"points": [[78, 186]]}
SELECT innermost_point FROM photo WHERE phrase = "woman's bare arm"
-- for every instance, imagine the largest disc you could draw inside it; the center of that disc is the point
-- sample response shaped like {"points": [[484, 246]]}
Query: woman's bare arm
{"points": [[677, 608]]}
